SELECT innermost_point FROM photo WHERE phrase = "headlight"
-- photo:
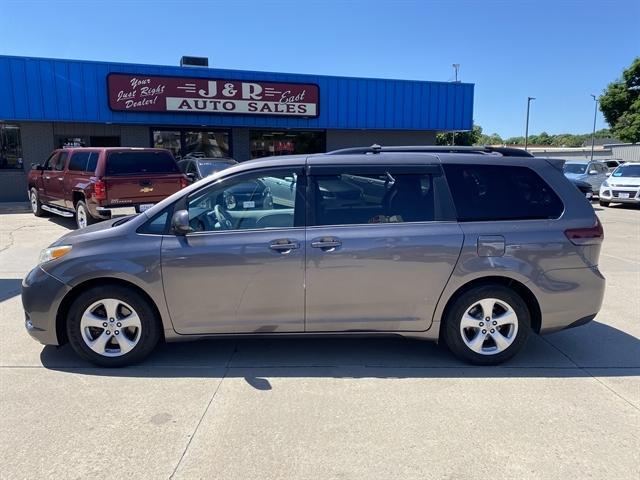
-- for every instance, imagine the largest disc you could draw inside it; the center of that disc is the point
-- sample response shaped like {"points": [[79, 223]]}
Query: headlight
{"points": [[52, 253]]}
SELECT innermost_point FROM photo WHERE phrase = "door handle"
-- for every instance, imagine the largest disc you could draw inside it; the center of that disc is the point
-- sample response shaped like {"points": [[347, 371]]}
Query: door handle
{"points": [[60, 179], [326, 244], [284, 245], [46, 177]]}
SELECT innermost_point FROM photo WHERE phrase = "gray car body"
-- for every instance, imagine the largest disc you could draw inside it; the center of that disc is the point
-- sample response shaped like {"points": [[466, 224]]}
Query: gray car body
{"points": [[595, 179], [385, 278]]}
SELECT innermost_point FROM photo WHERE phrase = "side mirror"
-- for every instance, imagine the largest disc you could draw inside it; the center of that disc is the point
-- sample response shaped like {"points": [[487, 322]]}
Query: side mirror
{"points": [[180, 222], [593, 172], [37, 166], [192, 177], [608, 174]]}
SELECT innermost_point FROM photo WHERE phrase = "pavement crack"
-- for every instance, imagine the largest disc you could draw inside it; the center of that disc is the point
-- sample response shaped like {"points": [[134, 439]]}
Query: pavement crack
{"points": [[11, 239], [204, 413]]}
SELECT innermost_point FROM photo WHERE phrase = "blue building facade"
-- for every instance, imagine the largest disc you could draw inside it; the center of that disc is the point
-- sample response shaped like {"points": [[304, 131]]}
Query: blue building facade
{"points": [[50, 103]]}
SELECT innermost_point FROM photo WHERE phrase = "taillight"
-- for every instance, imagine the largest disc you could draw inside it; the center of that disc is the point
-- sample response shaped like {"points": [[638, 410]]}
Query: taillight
{"points": [[100, 190], [586, 236], [183, 182]]}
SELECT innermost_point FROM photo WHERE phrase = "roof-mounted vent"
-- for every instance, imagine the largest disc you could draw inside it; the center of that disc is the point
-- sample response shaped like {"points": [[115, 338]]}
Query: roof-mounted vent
{"points": [[186, 61]]}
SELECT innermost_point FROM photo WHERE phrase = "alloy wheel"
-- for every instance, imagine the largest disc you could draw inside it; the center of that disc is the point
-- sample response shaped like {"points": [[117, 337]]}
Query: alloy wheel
{"points": [[110, 327], [489, 326]]}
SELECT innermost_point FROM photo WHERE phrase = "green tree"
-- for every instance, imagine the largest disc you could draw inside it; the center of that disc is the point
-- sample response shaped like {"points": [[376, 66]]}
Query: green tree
{"points": [[620, 104], [470, 137]]}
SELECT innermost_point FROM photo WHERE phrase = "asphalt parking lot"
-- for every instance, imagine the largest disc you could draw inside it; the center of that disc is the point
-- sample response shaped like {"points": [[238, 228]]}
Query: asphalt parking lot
{"points": [[377, 408]]}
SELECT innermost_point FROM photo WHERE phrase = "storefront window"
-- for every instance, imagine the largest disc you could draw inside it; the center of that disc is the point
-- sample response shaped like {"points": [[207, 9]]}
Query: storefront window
{"points": [[266, 143], [10, 147], [198, 143], [168, 139], [206, 144]]}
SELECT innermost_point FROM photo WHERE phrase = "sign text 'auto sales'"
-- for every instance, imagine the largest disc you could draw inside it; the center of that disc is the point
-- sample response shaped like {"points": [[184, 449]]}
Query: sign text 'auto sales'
{"points": [[144, 93]]}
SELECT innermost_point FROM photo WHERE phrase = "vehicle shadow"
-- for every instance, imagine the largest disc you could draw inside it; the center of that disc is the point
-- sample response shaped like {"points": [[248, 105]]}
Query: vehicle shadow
{"points": [[9, 288], [613, 353]]}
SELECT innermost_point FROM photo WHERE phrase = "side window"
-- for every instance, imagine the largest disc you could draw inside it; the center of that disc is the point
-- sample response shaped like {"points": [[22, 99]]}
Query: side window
{"points": [[48, 165], [62, 158], [191, 168], [500, 192], [260, 200], [78, 161], [92, 162], [385, 197]]}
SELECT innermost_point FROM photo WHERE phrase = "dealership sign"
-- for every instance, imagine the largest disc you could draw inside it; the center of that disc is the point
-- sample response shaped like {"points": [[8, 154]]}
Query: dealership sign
{"points": [[143, 93]]}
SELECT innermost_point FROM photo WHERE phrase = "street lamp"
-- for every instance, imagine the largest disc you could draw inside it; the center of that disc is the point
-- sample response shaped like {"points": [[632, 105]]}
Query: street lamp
{"points": [[593, 134], [456, 67], [526, 132]]}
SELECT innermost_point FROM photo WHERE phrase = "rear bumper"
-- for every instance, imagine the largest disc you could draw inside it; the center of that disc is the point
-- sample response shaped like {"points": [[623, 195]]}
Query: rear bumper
{"points": [[569, 297], [41, 298]]}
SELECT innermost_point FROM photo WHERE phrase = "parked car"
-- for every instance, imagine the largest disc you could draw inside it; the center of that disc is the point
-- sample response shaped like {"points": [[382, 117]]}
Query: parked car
{"points": [[593, 172], [623, 186], [612, 164], [89, 183], [477, 251], [198, 168]]}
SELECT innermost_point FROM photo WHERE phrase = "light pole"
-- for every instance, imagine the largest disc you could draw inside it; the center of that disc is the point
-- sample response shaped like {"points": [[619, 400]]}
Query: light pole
{"points": [[526, 131], [593, 134], [456, 67]]}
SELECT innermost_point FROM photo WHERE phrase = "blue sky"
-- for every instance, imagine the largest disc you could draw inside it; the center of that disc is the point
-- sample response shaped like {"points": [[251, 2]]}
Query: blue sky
{"points": [[557, 51]]}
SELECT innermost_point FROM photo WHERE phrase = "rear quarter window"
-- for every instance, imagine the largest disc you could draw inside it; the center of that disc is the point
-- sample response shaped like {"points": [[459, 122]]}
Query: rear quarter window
{"points": [[500, 192], [140, 163]]}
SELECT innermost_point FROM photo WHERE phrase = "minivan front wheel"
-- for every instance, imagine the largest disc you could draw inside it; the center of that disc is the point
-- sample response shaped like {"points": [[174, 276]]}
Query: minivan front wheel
{"points": [[112, 326], [487, 325]]}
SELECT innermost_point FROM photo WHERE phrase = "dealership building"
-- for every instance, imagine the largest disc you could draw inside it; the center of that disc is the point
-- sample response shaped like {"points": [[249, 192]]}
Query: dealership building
{"points": [[50, 103]]}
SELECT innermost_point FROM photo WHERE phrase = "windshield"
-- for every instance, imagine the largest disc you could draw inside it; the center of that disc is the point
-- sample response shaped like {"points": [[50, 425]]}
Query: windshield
{"points": [[627, 171], [209, 168], [574, 168]]}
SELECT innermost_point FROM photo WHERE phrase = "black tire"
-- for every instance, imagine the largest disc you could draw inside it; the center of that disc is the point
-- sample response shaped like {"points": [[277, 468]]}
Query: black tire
{"points": [[83, 215], [604, 204], [36, 204], [453, 335], [150, 325]]}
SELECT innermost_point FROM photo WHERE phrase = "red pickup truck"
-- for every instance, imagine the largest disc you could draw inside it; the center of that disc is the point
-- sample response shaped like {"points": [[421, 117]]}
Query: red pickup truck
{"points": [[89, 182]]}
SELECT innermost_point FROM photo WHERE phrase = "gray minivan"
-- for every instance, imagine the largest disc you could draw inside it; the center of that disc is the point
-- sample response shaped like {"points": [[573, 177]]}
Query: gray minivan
{"points": [[477, 247]]}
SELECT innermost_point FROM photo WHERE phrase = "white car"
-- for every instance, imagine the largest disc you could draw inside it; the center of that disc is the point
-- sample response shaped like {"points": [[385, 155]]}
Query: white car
{"points": [[622, 186]]}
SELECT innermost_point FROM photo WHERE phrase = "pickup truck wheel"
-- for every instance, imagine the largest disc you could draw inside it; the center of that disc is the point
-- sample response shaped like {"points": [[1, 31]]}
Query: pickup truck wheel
{"points": [[83, 217], [36, 205]]}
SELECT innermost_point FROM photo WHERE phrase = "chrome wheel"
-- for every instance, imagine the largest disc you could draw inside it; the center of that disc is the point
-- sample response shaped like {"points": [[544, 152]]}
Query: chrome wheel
{"points": [[81, 216], [110, 327], [34, 202], [489, 326]]}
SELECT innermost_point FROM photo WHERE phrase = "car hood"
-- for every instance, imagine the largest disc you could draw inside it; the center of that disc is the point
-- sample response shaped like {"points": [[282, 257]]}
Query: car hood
{"points": [[575, 176], [624, 181], [92, 232]]}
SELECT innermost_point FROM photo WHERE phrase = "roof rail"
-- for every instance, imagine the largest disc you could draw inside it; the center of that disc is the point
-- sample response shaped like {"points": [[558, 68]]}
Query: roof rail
{"points": [[483, 149]]}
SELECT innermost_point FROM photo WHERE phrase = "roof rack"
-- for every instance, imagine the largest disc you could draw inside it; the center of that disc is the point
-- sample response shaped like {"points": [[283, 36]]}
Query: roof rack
{"points": [[483, 149]]}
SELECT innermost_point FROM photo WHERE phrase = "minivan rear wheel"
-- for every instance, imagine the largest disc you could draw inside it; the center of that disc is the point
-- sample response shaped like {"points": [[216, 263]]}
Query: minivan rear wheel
{"points": [[487, 325], [112, 326]]}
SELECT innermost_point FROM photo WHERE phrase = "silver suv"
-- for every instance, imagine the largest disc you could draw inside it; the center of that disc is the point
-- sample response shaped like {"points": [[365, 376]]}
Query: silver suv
{"points": [[473, 247]]}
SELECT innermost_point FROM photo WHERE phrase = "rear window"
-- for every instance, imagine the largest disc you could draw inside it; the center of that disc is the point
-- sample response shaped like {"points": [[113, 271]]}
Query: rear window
{"points": [[140, 163], [497, 192], [83, 161]]}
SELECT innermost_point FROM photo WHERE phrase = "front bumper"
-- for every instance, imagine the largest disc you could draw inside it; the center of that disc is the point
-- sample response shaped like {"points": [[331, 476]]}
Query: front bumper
{"points": [[616, 194], [42, 295]]}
